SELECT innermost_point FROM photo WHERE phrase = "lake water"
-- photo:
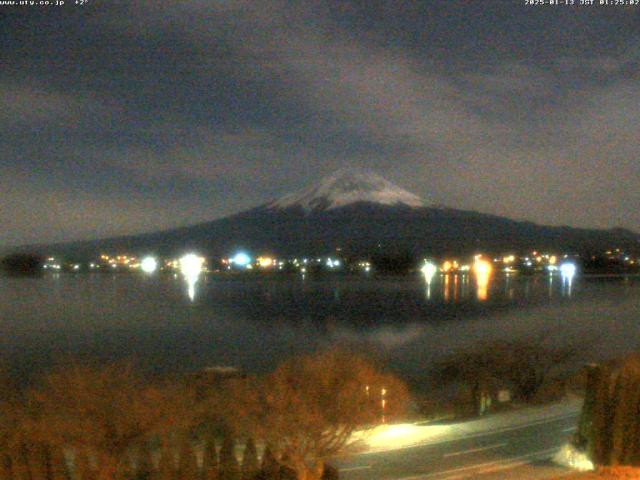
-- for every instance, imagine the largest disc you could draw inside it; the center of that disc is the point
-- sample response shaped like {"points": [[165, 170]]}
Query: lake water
{"points": [[253, 322]]}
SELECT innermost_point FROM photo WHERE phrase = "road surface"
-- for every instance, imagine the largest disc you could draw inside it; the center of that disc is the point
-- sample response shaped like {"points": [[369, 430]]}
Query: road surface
{"points": [[498, 450]]}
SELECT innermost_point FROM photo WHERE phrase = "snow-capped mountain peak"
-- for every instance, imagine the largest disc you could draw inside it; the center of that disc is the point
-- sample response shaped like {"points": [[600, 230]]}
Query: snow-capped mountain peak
{"points": [[346, 187]]}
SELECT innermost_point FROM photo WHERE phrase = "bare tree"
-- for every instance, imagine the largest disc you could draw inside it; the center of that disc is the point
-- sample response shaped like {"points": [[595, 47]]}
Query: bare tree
{"points": [[309, 407], [229, 469], [166, 465], [144, 463], [187, 463], [249, 460], [210, 460], [18, 450], [270, 468], [523, 365], [103, 413]]}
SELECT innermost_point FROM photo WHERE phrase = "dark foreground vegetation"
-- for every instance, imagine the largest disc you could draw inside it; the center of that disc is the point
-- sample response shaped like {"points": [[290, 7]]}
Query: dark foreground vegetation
{"points": [[21, 264], [606, 473], [610, 424], [609, 427], [496, 374], [109, 423]]}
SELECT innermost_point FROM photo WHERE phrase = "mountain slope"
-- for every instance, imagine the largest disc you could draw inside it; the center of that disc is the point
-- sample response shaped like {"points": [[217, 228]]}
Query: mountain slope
{"points": [[361, 213]]}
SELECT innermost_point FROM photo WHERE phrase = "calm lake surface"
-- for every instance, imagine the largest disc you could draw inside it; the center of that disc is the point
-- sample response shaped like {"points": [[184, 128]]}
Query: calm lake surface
{"points": [[253, 322]]}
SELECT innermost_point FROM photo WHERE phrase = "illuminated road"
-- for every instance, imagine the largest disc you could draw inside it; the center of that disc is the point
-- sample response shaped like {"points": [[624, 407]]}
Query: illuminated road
{"points": [[519, 451]]}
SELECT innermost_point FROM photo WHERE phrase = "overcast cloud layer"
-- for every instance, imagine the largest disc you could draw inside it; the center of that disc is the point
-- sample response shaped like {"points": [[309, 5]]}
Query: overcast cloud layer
{"points": [[124, 117]]}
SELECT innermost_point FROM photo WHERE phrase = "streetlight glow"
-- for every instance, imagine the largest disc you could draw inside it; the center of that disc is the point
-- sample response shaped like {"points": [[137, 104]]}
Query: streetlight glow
{"points": [[265, 262], [191, 265], [241, 259], [428, 270], [148, 264], [482, 269], [568, 269]]}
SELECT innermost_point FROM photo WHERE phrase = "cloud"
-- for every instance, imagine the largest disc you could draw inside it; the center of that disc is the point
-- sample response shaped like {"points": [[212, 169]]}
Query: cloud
{"points": [[224, 105], [26, 106], [203, 153]]}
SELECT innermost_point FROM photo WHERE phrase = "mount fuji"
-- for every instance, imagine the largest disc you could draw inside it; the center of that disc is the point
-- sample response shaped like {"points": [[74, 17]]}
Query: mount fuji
{"points": [[346, 187], [362, 213]]}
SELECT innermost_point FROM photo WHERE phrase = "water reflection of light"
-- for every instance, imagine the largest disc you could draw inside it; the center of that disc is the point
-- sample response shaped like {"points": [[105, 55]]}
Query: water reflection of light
{"points": [[445, 287], [455, 288], [191, 287], [428, 270], [568, 271], [483, 286], [508, 285], [482, 269], [464, 290], [191, 267]]}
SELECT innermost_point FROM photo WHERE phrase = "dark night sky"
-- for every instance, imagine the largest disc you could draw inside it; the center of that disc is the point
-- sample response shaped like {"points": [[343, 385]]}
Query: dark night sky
{"points": [[123, 117]]}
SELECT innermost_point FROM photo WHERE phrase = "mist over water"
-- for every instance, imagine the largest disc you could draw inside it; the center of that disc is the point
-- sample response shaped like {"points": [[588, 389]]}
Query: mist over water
{"points": [[254, 322]]}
